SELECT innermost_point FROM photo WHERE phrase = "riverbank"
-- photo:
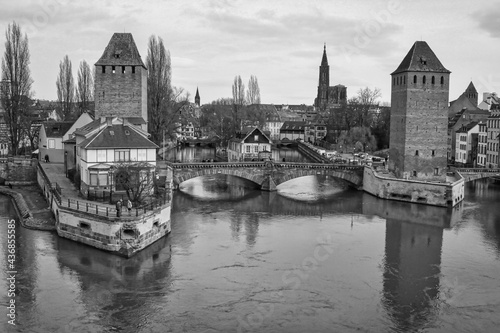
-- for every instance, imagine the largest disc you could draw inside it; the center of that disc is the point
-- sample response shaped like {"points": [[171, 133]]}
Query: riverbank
{"points": [[31, 206]]}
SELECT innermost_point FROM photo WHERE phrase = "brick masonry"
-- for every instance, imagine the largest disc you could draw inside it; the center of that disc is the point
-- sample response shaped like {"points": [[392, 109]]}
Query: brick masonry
{"points": [[121, 94], [419, 125], [18, 171]]}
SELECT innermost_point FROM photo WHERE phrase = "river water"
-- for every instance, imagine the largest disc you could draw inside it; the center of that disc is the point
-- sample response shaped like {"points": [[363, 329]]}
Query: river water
{"points": [[315, 257]]}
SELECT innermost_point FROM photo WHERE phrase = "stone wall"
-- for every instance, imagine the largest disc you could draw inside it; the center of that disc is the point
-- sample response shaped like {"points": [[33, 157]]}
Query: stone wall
{"points": [[419, 126], [437, 194], [121, 94], [18, 171]]}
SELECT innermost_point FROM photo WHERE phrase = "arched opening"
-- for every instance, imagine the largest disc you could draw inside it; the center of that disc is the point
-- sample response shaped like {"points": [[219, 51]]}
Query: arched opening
{"points": [[433, 80], [423, 80], [414, 79]]}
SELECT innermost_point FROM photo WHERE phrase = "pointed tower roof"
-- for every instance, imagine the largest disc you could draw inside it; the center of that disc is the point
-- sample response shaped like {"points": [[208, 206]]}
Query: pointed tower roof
{"points": [[420, 58], [471, 88], [197, 93], [121, 51], [324, 61]]}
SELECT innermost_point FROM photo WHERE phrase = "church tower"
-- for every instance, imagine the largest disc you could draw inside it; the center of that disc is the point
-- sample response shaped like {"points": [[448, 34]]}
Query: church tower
{"points": [[324, 82], [471, 93], [419, 116], [121, 80], [197, 98]]}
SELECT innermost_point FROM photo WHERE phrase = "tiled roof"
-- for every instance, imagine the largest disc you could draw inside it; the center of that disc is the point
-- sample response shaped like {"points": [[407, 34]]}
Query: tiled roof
{"points": [[462, 102], [118, 136], [420, 58], [56, 129], [89, 127], [471, 88], [293, 126], [121, 51], [466, 128]]}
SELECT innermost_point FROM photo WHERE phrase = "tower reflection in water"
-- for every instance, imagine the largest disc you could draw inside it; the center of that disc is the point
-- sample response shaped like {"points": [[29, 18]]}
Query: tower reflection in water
{"points": [[412, 262]]}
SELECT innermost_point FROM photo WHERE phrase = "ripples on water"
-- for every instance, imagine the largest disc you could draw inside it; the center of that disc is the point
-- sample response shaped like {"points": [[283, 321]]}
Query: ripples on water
{"points": [[314, 257]]}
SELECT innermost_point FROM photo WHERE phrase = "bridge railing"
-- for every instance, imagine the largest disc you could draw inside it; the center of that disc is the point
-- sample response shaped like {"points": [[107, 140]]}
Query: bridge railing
{"points": [[263, 164], [477, 170]]}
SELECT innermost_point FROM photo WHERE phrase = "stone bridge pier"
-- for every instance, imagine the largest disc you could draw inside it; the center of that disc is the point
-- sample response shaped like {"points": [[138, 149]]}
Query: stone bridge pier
{"points": [[267, 175]]}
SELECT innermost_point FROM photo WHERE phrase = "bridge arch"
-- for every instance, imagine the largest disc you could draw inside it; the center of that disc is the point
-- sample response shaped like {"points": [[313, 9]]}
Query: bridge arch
{"points": [[266, 174]]}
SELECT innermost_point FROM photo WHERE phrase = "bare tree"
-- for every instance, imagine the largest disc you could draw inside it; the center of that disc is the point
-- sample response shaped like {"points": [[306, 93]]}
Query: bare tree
{"points": [[85, 87], [137, 179], [160, 90], [65, 88], [238, 91], [16, 85], [238, 101], [366, 99], [253, 91]]}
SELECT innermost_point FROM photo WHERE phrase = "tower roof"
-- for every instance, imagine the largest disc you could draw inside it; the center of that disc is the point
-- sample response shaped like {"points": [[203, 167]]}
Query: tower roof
{"points": [[324, 60], [197, 93], [121, 51], [471, 88], [420, 58]]}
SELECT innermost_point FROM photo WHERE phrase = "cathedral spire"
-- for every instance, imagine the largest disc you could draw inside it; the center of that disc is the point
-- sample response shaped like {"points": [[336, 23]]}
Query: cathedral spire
{"points": [[197, 97], [324, 61]]}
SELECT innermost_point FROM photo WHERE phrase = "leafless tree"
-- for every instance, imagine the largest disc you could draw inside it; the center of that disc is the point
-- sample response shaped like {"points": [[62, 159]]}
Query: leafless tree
{"points": [[137, 179], [366, 99], [85, 87], [253, 91], [65, 88], [16, 83], [238, 91]]}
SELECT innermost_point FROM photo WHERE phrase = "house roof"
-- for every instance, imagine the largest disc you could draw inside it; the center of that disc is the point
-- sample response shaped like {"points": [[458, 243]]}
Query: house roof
{"points": [[293, 126], [467, 128], [121, 51], [420, 58], [462, 102], [117, 136], [249, 131], [56, 129]]}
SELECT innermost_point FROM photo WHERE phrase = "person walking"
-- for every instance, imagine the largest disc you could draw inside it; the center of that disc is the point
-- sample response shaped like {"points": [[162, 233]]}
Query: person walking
{"points": [[118, 207], [129, 206]]}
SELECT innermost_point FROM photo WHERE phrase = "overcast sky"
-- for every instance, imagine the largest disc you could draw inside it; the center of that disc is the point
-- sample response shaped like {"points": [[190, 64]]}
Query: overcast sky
{"points": [[280, 42]]}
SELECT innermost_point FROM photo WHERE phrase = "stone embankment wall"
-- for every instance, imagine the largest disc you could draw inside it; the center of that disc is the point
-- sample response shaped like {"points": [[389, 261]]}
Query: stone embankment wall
{"points": [[437, 194], [18, 171]]}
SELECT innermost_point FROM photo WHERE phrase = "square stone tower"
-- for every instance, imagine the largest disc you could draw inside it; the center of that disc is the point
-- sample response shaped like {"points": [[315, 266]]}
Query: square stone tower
{"points": [[419, 116], [121, 80]]}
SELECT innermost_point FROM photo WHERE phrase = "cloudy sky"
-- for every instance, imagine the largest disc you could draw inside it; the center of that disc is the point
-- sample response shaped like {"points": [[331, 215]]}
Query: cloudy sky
{"points": [[279, 41]]}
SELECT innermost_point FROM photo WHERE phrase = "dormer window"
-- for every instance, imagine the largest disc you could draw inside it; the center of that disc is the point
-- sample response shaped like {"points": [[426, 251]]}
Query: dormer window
{"points": [[423, 60], [111, 132], [127, 132]]}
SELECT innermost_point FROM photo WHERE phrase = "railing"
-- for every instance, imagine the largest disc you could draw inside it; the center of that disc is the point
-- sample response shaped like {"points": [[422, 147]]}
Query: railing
{"points": [[110, 211], [289, 165], [477, 170]]}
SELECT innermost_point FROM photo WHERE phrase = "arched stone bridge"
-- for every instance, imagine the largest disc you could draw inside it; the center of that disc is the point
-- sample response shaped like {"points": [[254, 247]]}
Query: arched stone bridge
{"points": [[267, 174]]}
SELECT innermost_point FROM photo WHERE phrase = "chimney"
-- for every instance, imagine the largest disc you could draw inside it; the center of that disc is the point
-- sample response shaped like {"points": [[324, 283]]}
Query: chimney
{"points": [[109, 121]]}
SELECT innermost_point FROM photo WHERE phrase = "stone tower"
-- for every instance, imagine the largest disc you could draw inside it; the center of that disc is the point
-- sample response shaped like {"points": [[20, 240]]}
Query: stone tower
{"points": [[471, 93], [197, 98], [419, 116], [324, 82], [121, 80]]}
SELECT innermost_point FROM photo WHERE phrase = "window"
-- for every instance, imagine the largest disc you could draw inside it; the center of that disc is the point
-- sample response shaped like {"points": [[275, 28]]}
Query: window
{"points": [[414, 79], [256, 149], [416, 152], [142, 155], [442, 79], [98, 178], [133, 69], [433, 152], [122, 155], [414, 173], [247, 148], [433, 80], [101, 155], [113, 69], [52, 143], [423, 80], [123, 69], [103, 69]]}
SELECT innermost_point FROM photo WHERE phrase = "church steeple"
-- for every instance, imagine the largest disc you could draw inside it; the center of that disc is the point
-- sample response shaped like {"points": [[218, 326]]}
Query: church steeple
{"points": [[197, 97], [324, 82], [324, 61]]}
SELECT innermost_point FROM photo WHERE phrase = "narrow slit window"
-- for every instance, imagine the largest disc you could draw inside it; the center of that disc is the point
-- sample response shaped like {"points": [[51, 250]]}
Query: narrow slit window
{"points": [[423, 80], [103, 69], [442, 79], [133, 69], [414, 79], [113, 69], [433, 80], [416, 152], [123, 69]]}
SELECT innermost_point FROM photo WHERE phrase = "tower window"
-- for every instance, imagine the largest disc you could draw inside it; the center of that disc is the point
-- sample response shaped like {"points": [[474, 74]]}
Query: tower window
{"points": [[433, 152], [442, 79], [423, 80], [416, 152], [103, 69], [414, 79], [433, 80], [113, 69], [123, 69], [133, 69]]}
